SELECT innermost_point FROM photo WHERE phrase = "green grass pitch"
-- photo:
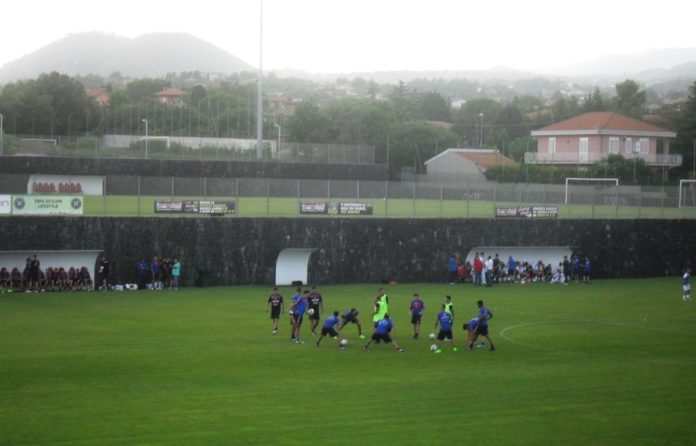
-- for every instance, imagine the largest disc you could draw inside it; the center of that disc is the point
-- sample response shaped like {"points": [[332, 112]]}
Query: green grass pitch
{"points": [[609, 363]]}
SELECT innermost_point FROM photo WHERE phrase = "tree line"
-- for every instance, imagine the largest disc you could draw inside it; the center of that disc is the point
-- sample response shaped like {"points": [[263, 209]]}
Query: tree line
{"points": [[406, 125]]}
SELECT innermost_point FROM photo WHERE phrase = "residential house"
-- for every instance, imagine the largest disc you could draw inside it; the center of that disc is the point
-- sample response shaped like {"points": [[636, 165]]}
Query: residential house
{"points": [[170, 96], [591, 137], [100, 95], [457, 164]]}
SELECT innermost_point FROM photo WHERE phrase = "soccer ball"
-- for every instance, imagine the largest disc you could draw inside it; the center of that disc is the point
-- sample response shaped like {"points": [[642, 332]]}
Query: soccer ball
{"points": [[431, 336], [310, 311], [343, 342], [433, 348]]}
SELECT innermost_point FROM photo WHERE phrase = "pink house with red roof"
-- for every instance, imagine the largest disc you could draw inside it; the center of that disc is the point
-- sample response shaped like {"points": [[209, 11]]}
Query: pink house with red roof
{"points": [[592, 137], [169, 96]]}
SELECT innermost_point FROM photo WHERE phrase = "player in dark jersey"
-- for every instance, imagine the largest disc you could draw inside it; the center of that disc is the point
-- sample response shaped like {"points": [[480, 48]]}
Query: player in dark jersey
{"points": [[351, 317], [275, 304], [316, 306]]}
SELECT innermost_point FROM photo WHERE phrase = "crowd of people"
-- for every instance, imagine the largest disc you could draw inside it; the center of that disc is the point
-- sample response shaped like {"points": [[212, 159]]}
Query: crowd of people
{"points": [[311, 303], [34, 278], [160, 273], [488, 270]]}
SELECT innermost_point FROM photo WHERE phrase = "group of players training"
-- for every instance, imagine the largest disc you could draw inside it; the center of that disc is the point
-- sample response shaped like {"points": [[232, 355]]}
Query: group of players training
{"points": [[310, 302]]}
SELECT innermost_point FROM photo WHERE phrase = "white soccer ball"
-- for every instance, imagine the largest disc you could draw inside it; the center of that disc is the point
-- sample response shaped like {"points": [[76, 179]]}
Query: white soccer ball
{"points": [[344, 342], [431, 336], [433, 347], [310, 311]]}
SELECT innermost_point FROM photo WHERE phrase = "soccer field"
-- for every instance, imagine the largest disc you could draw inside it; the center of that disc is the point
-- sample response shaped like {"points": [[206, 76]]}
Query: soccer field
{"points": [[612, 362]]}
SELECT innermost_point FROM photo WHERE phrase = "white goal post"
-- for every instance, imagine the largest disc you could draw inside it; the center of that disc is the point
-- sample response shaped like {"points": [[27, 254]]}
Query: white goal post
{"points": [[683, 197], [615, 181]]}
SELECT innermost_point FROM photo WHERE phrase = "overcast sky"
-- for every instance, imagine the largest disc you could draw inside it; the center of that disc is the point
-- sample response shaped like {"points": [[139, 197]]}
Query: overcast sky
{"points": [[324, 36]]}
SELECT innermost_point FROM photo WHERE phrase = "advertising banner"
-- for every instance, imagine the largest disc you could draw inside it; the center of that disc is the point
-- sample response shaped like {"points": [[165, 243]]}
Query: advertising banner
{"points": [[354, 208], [526, 211], [47, 205], [216, 207], [5, 204], [314, 207], [208, 207]]}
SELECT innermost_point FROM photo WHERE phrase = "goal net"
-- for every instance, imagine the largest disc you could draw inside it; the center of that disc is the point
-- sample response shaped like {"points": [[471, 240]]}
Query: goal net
{"points": [[39, 146], [590, 190], [687, 193]]}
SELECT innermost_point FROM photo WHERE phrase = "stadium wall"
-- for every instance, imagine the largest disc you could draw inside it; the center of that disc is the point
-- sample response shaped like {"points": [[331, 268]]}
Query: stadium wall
{"points": [[29, 165], [231, 251]]}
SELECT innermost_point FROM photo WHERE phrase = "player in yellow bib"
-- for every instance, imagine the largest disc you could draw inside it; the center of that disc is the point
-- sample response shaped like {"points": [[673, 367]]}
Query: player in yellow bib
{"points": [[381, 306]]}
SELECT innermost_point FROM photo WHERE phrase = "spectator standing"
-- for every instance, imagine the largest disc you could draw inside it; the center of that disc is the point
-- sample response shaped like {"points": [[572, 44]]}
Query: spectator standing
{"points": [[567, 268], [586, 270], [176, 272], [156, 268], [143, 269], [478, 269], [452, 268], [104, 271], [488, 268]]}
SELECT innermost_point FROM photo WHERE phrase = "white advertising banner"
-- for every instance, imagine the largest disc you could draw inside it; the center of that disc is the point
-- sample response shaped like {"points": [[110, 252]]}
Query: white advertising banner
{"points": [[65, 184], [47, 205], [5, 204]]}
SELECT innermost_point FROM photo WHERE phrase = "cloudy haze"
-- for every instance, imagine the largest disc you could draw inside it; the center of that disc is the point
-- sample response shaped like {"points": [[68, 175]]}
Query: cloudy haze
{"points": [[324, 36]]}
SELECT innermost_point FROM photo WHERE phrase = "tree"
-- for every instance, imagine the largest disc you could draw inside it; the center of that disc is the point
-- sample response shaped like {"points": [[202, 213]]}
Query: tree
{"points": [[594, 102], [630, 100], [308, 124], [143, 89], [198, 92], [686, 134], [434, 107]]}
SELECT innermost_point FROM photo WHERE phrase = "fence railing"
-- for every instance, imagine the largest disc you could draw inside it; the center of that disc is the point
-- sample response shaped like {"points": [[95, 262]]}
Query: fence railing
{"points": [[135, 196], [651, 159], [184, 147]]}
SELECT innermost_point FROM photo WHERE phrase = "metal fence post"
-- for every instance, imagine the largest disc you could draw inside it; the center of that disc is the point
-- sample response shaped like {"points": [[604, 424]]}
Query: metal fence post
{"points": [[139, 194], [441, 198], [413, 205], [386, 199], [236, 194]]}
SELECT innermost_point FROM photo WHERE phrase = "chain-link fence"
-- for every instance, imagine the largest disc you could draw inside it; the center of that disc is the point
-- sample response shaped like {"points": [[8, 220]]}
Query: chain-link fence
{"points": [[186, 148], [136, 195]]}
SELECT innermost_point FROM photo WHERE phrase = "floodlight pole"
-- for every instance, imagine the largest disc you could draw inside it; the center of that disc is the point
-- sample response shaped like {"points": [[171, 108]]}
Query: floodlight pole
{"points": [[259, 98], [146, 140], [2, 134], [636, 150], [280, 132], [481, 139]]}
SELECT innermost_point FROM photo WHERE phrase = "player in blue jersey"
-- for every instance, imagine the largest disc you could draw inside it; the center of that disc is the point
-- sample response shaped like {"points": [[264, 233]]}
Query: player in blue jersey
{"points": [[417, 309], [351, 317], [470, 327], [383, 333], [444, 320], [484, 315], [686, 285], [298, 308], [329, 329]]}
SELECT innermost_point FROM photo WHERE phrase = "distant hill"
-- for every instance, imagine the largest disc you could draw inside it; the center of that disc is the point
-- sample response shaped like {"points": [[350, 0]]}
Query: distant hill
{"points": [[149, 55], [629, 64]]}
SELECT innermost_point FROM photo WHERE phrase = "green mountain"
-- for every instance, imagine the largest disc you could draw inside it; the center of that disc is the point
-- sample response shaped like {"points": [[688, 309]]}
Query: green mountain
{"points": [[149, 55]]}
